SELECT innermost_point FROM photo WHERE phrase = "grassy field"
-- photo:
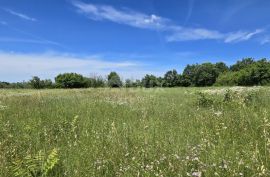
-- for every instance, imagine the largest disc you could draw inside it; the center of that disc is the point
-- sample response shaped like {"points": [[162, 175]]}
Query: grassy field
{"points": [[135, 132]]}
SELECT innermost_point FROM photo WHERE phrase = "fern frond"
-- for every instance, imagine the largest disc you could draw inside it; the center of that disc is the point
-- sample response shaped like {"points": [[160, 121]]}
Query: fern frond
{"points": [[51, 161]]}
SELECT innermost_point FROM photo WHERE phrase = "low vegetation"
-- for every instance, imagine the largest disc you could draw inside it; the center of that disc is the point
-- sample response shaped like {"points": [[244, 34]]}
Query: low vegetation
{"points": [[135, 132]]}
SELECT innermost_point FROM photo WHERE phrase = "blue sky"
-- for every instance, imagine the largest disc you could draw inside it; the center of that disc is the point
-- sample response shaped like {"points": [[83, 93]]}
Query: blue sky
{"points": [[93, 37]]}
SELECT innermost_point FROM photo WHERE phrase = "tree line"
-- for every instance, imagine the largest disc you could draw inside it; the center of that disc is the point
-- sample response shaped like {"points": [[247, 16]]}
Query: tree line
{"points": [[245, 72]]}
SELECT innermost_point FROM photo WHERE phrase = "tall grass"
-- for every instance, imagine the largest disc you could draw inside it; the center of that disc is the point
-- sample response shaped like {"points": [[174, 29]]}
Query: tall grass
{"points": [[135, 132]]}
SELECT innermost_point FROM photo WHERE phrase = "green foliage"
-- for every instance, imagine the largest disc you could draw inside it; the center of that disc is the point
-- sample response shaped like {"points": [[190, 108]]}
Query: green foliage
{"points": [[17, 85], [204, 74], [171, 79], [37, 83], [221, 67], [242, 64], [252, 73], [150, 81], [95, 82], [34, 166], [228, 79], [114, 80], [128, 83], [204, 100], [189, 74], [4, 84], [70, 80]]}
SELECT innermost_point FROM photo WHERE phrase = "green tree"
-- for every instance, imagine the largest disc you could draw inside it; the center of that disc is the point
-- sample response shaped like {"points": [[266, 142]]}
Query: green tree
{"points": [[242, 64], [221, 67], [189, 73], [36, 83], [149, 81], [205, 75], [160, 82], [128, 83], [4, 84], [171, 79], [257, 73], [253, 73], [184, 81], [48, 83], [227, 79], [114, 80], [70, 80], [137, 83], [95, 81]]}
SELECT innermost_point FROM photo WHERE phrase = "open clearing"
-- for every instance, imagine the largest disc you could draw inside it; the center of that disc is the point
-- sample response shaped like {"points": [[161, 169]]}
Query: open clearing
{"points": [[135, 132]]}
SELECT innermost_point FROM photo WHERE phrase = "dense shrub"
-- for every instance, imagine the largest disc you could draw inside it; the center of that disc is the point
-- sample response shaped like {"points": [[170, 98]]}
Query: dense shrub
{"points": [[70, 80], [252, 73]]}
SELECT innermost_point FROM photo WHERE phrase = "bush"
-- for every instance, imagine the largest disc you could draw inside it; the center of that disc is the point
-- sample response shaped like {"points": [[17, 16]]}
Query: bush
{"points": [[70, 80], [203, 100]]}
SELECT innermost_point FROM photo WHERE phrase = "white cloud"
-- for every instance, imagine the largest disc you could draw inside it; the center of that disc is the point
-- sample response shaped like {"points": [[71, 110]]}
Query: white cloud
{"points": [[20, 15], [3, 23], [234, 9], [23, 40], [185, 34], [155, 22], [31, 37], [265, 40], [190, 9], [18, 67], [128, 17], [241, 35]]}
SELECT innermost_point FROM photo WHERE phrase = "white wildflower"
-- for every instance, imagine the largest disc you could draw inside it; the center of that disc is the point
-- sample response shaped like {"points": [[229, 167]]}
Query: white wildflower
{"points": [[197, 174], [218, 113]]}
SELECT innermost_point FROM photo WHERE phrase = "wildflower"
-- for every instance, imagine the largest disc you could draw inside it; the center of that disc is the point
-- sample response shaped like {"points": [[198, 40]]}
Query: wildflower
{"points": [[2, 107], [218, 113], [176, 156], [195, 159], [223, 165], [197, 174], [241, 162]]}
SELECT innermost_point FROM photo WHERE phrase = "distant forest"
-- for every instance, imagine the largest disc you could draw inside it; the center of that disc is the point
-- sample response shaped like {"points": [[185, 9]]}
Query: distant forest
{"points": [[246, 72]]}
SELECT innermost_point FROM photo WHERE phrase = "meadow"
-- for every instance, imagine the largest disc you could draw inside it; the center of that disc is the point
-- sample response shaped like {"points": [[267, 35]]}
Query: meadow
{"points": [[135, 132]]}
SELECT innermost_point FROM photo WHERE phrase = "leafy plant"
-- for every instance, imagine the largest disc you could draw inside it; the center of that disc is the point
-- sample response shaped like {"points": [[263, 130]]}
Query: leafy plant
{"points": [[204, 100], [40, 165]]}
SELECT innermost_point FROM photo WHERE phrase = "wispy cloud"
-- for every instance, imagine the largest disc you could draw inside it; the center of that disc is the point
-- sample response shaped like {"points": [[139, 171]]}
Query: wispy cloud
{"points": [[187, 34], [31, 38], [23, 40], [3, 22], [265, 40], [154, 22], [234, 9], [128, 17], [190, 9], [241, 36], [48, 65], [20, 15]]}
